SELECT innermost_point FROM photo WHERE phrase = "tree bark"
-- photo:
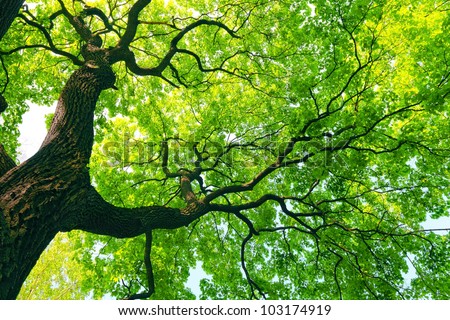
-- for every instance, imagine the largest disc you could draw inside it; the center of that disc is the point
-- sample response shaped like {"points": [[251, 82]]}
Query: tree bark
{"points": [[36, 196], [8, 11], [6, 163], [94, 214], [51, 191]]}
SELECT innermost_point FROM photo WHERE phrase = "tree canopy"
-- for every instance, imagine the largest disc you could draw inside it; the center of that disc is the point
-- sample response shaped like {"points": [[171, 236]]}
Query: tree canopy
{"points": [[287, 149]]}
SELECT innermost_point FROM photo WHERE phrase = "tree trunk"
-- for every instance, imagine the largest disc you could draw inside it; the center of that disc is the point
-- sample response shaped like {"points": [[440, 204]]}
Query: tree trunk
{"points": [[51, 191], [38, 196], [8, 11]]}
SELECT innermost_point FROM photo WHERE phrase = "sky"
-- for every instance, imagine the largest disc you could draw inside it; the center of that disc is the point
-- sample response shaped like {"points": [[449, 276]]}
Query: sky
{"points": [[33, 131]]}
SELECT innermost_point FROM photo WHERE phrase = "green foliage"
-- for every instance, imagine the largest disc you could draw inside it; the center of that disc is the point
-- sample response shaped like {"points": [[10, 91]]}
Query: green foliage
{"points": [[57, 275], [364, 87]]}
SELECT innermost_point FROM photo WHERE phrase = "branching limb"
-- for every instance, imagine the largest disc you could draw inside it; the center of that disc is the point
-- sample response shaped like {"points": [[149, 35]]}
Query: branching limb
{"points": [[3, 104], [258, 202], [340, 258], [77, 23], [101, 217], [122, 52], [90, 11], [133, 22], [149, 270], [278, 163], [253, 285], [51, 46]]}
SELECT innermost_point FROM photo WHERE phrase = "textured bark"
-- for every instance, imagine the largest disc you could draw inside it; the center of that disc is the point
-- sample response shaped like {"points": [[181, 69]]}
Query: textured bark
{"points": [[96, 215], [6, 163], [8, 11], [36, 196], [51, 191]]}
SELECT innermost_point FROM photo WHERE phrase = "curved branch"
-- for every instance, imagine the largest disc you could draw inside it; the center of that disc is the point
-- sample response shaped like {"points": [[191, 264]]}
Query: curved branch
{"points": [[133, 23], [77, 23], [122, 52], [51, 46], [3, 104], [257, 203], [53, 16], [74, 59], [200, 65], [198, 23], [278, 163], [90, 11], [336, 280], [100, 217], [253, 285]]}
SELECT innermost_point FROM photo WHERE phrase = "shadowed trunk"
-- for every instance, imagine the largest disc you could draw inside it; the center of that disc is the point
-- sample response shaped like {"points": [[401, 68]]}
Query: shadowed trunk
{"points": [[51, 191], [37, 196], [8, 11]]}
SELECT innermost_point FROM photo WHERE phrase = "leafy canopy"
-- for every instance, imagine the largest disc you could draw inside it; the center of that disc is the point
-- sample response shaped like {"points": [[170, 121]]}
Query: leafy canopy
{"points": [[320, 130]]}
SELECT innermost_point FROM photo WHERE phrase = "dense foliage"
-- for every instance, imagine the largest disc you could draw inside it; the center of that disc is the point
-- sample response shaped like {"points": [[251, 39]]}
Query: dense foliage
{"points": [[318, 131]]}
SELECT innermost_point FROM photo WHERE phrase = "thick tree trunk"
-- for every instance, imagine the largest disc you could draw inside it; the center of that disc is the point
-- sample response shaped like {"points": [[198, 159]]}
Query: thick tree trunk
{"points": [[51, 191], [6, 163], [37, 197]]}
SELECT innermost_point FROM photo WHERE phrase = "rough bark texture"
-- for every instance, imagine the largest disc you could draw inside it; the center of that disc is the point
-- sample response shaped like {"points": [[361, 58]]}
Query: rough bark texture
{"points": [[8, 11], [6, 163], [37, 196], [51, 191]]}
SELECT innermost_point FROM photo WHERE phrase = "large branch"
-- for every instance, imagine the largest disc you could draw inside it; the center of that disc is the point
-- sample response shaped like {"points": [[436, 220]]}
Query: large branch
{"points": [[123, 53], [277, 164], [149, 270], [8, 11], [133, 23], [71, 133], [51, 46], [77, 23], [3, 102]]}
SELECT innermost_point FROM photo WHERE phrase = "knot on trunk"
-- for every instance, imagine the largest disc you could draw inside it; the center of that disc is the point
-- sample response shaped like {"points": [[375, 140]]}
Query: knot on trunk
{"points": [[96, 62], [103, 74], [96, 76]]}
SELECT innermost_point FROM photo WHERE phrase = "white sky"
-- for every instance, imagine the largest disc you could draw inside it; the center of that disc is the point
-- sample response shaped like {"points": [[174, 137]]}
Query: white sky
{"points": [[32, 130], [32, 133]]}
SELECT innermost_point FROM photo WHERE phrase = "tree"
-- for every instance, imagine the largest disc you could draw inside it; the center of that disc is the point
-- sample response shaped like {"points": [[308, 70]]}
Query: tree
{"points": [[290, 149], [8, 11]]}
